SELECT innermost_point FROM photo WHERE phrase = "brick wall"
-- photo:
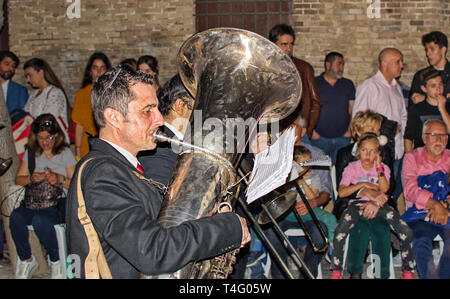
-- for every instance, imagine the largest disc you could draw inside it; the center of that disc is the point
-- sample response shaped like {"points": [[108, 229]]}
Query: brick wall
{"points": [[131, 28], [353, 28], [121, 29]]}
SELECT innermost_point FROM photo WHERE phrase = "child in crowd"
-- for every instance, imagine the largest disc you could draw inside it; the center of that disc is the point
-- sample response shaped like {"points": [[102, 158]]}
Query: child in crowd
{"points": [[434, 106], [370, 177], [310, 184]]}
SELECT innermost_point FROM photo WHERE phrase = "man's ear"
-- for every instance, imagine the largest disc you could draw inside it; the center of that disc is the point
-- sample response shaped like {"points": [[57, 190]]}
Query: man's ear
{"points": [[179, 107], [113, 117], [423, 88]]}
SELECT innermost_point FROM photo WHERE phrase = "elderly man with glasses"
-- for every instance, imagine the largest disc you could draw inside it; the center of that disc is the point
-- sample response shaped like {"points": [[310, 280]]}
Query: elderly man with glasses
{"points": [[422, 163]]}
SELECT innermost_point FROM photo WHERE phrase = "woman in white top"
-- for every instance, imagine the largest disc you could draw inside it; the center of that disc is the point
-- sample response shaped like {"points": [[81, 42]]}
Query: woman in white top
{"points": [[48, 96]]}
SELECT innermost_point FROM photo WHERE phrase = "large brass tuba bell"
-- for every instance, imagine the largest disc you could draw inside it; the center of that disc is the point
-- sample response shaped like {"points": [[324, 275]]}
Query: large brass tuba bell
{"points": [[232, 74]]}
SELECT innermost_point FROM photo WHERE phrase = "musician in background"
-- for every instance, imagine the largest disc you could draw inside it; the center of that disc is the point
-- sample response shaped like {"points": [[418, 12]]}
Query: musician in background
{"points": [[123, 204], [175, 104], [283, 36]]}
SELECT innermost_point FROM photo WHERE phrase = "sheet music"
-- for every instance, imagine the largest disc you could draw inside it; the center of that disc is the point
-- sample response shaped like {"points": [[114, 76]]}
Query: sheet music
{"points": [[272, 166]]}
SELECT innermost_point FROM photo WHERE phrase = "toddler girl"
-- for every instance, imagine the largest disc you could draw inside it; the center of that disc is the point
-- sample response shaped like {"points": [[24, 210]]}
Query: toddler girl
{"points": [[370, 178]]}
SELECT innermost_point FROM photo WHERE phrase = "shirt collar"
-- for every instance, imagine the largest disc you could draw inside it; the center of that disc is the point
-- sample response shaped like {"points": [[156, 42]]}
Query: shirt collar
{"points": [[174, 130], [380, 77], [130, 157]]}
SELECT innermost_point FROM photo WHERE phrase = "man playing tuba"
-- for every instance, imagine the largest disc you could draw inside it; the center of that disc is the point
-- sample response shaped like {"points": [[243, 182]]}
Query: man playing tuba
{"points": [[122, 204]]}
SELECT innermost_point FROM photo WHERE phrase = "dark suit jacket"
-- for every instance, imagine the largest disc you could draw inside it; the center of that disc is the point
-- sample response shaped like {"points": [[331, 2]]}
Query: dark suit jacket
{"points": [[123, 209], [158, 163], [17, 96]]}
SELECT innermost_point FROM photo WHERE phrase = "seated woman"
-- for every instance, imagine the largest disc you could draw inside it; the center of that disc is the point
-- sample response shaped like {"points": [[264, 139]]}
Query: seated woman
{"points": [[365, 122], [48, 95], [53, 165]]}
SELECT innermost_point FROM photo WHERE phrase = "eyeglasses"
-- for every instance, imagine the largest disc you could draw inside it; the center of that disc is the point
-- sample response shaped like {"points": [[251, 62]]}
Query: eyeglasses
{"points": [[436, 135], [121, 67], [48, 138], [46, 123]]}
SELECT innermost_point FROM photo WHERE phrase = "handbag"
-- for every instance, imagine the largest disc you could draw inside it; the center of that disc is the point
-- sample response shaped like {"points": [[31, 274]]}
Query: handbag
{"points": [[41, 195]]}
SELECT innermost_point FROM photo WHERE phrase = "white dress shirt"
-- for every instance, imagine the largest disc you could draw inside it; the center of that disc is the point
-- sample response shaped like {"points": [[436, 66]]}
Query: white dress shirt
{"points": [[375, 93], [129, 156]]}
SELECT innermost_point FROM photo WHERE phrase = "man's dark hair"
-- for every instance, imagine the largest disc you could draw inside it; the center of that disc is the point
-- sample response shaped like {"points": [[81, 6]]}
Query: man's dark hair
{"points": [[279, 30], [113, 89], [330, 57], [428, 74], [171, 91], [11, 55], [437, 37]]}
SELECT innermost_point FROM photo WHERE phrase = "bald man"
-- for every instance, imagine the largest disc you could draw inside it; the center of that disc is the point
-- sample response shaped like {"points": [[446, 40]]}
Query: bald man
{"points": [[383, 94]]}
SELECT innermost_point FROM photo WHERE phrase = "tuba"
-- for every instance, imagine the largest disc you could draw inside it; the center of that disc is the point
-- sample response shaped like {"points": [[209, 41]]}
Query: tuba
{"points": [[233, 74]]}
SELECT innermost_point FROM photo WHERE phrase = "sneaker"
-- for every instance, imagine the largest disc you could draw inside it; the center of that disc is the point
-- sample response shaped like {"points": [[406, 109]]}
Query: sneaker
{"points": [[56, 270], [336, 274], [25, 269], [407, 275]]}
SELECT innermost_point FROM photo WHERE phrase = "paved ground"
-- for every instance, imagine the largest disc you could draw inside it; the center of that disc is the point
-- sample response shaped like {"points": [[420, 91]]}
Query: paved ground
{"points": [[6, 271]]}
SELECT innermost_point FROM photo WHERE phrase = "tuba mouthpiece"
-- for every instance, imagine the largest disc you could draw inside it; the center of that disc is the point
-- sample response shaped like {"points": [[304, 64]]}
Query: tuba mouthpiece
{"points": [[160, 136]]}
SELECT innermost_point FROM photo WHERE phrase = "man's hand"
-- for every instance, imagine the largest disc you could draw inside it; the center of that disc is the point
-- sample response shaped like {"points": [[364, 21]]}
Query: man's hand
{"points": [[437, 212], [369, 186], [301, 208], [315, 135], [370, 209], [374, 195], [442, 103], [246, 237], [417, 98], [260, 143]]}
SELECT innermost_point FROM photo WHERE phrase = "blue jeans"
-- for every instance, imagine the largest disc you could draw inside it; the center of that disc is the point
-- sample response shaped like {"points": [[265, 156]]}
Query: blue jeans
{"points": [[331, 145], [43, 222], [423, 235], [311, 259]]}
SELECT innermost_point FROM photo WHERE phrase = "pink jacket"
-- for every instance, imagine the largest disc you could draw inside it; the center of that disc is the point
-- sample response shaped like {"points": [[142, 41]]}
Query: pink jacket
{"points": [[416, 164]]}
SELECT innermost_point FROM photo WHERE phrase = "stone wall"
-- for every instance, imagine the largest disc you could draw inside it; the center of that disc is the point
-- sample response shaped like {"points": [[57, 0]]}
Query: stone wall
{"points": [[130, 28]]}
